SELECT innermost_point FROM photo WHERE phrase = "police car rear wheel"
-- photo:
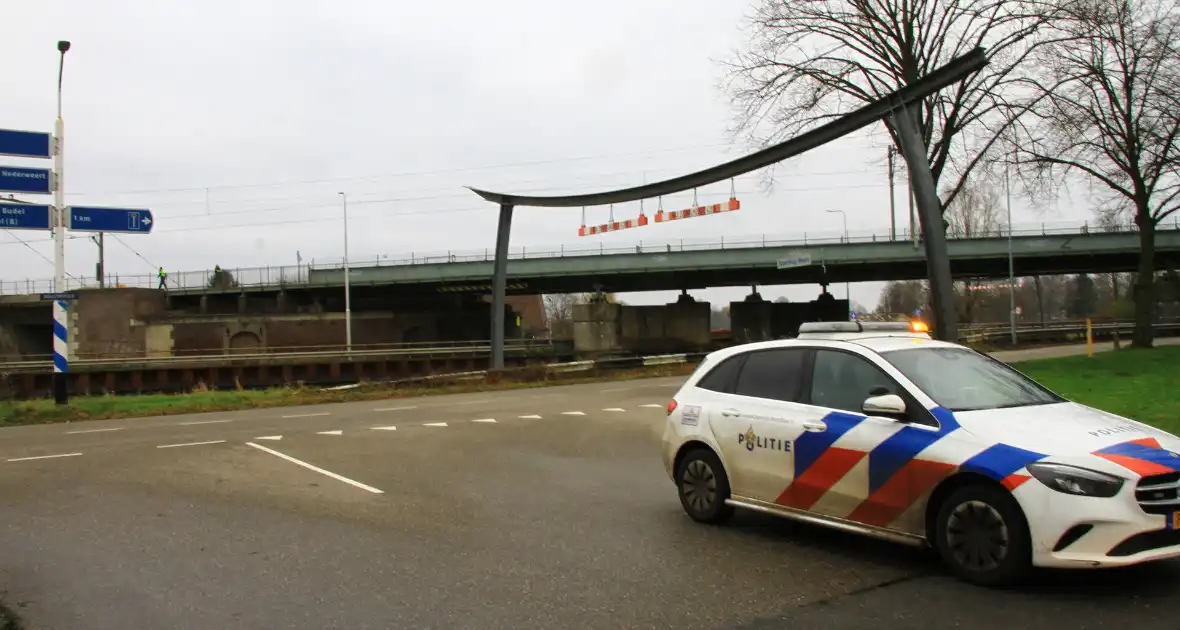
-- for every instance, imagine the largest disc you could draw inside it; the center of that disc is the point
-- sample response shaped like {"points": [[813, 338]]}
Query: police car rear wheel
{"points": [[983, 537], [703, 487]]}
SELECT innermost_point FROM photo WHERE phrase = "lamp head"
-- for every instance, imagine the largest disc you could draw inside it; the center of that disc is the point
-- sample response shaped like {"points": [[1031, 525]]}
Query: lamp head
{"points": [[63, 46]]}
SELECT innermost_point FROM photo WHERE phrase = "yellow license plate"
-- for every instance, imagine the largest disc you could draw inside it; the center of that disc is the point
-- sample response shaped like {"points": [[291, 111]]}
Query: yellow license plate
{"points": [[1174, 520]]}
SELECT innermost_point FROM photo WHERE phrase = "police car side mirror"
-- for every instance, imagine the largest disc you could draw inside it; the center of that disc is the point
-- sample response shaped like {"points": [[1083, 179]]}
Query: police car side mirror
{"points": [[886, 405]]}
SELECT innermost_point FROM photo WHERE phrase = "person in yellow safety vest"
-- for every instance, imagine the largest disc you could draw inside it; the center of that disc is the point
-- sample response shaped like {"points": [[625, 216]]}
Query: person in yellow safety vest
{"points": [[163, 278]]}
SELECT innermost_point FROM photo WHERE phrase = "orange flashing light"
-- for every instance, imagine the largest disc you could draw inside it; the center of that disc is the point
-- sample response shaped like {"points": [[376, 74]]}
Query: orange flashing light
{"points": [[671, 406], [919, 327]]}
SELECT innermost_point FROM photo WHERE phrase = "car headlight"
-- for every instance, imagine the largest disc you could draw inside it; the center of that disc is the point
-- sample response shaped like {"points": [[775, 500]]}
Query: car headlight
{"points": [[1076, 481]]}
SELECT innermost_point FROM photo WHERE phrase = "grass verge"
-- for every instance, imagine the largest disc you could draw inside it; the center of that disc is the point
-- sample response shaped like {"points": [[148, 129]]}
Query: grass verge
{"points": [[1140, 384], [111, 407]]}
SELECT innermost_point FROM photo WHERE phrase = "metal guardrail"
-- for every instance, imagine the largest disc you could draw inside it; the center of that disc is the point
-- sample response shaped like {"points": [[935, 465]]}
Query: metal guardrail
{"points": [[301, 275], [471, 348], [1002, 332]]}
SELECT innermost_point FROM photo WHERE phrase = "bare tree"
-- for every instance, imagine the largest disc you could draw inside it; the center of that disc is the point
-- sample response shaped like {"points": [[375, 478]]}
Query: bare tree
{"points": [[559, 313], [1114, 117], [812, 60]]}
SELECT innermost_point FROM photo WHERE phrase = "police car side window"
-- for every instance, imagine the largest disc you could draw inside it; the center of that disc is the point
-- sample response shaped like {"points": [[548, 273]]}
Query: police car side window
{"points": [[773, 374], [721, 378], [841, 380]]}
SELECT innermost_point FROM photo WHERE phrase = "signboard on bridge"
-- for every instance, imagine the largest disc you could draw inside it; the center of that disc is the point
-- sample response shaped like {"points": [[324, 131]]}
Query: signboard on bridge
{"points": [[53, 297], [17, 179], [25, 216], [31, 144], [794, 259], [96, 219]]}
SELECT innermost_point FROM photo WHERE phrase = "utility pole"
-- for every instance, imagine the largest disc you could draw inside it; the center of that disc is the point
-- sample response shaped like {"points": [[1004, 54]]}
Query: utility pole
{"points": [[347, 288], [100, 268], [1011, 265], [892, 201]]}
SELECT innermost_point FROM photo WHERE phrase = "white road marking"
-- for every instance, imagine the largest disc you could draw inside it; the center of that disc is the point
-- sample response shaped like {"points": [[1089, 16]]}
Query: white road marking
{"points": [[532, 417], [492, 420], [25, 459], [269, 437], [316, 469], [93, 431], [188, 424], [618, 389], [474, 402], [390, 428], [191, 444], [435, 424], [573, 413], [653, 406], [308, 415], [615, 409], [336, 432], [397, 408]]}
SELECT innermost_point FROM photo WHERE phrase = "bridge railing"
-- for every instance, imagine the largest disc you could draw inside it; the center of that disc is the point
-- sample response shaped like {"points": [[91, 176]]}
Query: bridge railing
{"points": [[299, 275]]}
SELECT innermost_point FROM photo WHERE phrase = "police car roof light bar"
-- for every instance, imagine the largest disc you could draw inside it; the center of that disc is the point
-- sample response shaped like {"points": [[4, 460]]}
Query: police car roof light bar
{"points": [[854, 327]]}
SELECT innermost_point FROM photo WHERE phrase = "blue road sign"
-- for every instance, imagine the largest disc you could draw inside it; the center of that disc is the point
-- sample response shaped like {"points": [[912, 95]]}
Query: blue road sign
{"points": [[25, 180], [852, 315], [53, 297], [24, 216], [94, 219], [34, 144]]}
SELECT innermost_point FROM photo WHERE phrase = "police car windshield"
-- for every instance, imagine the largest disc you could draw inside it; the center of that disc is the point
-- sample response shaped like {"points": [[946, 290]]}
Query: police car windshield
{"points": [[963, 380]]}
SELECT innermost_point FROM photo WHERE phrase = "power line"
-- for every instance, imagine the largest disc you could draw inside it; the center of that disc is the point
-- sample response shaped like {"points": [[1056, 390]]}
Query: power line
{"points": [[32, 249], [466, 169], [120, 241]]}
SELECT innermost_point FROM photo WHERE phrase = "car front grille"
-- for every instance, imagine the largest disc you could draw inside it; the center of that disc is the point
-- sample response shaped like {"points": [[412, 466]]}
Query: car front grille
{"points": [[1159, 494]]}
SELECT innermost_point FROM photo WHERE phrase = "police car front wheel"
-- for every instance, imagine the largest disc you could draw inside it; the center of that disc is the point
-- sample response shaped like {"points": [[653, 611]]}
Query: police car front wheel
{"points": [[703, 487], [982, 536]]}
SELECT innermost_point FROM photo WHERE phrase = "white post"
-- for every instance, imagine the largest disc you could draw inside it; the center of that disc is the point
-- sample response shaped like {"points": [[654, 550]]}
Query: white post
{"points": [[347, 288], [61, 323]]}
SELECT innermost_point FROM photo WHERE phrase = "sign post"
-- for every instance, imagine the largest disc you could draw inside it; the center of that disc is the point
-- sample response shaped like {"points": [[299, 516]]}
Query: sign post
{"points": [[26, 216]]}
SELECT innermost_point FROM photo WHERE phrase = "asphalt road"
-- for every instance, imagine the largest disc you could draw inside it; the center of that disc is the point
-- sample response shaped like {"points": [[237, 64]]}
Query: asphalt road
{"points": [[556, 515]]}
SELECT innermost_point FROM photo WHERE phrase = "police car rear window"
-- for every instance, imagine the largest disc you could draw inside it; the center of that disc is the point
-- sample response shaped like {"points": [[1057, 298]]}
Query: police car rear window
{"points": [[722, 377]]}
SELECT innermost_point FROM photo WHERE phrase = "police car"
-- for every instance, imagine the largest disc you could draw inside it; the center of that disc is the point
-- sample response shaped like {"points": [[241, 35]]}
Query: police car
{"points": [[877, 429]]}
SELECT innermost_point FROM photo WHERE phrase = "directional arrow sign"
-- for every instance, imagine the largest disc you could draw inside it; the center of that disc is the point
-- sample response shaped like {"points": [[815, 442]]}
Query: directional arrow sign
{"points": [[95, 219], [24, 216], [26, 180], [34, 144]]}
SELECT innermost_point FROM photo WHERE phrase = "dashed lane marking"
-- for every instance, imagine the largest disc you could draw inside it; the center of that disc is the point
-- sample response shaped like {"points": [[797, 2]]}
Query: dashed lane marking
{"points": [[573, 413], [191, 444], [618, 389], [311, 467], [483, 401], [308, 415], [532, 417], [652, 406], [336, 432], [26, 459], [397, 408], [188, 424], [435, 424], [269, 437], [384, 428], [486, 420], [615, 409], [93, 431]]}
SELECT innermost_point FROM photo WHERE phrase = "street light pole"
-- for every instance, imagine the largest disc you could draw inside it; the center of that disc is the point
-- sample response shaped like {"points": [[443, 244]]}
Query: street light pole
{"points": [[892, 200], [1011, 265], [347, 287], [844, 218], [61, 321]]}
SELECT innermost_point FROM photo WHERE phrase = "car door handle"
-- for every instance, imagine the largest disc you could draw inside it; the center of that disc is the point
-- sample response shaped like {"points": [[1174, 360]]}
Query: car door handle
{"points": [[731, 413], [815, 427]]}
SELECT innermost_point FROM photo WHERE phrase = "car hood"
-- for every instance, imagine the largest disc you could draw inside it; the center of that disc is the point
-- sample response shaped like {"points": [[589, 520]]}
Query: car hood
{"points": [[1070, 429]]}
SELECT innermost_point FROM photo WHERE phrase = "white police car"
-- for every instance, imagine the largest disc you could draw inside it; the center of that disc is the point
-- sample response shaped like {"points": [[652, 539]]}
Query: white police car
{"points": [[878, 429]]}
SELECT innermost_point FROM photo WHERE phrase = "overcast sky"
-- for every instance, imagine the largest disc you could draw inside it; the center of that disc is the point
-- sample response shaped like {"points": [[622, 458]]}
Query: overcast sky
{"points": [[238, 123]]}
